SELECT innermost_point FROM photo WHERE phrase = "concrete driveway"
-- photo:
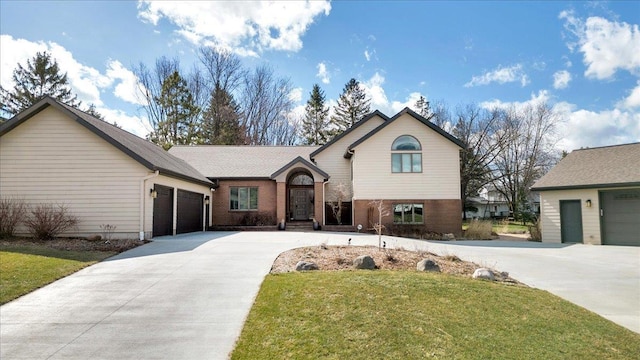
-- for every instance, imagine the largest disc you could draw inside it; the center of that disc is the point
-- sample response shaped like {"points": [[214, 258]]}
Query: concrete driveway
{"points": [[188, 296]]}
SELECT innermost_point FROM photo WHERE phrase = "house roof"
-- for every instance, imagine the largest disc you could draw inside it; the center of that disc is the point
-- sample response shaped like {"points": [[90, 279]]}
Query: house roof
{"points": [[609, 166], [300, 160], [146, 153], [348, 131], [414, 115], [240, 162]]}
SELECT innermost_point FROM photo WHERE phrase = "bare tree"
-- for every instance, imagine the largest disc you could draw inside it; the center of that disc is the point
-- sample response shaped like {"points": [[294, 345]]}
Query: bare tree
{"points": [[150, 82], [378, 226], [526, 153], [223, 68], [266, 107], [338, 195], [440, 115], [479, 131]]}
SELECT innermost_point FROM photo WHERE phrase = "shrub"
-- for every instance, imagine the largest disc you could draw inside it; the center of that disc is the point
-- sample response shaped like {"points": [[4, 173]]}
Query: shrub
{"points": [[479, 230], [46, 221], [258, 219], [12, 213], [535, 232]]}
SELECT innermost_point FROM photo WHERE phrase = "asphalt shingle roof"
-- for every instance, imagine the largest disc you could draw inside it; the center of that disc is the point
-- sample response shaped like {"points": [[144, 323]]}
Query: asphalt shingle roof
{"points": [[227, 162], [148, 154], [617, 165]]}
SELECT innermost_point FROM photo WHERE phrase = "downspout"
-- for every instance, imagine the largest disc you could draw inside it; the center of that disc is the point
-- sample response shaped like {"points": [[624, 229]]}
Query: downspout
{"points": [[324, 207], [142, 195]]}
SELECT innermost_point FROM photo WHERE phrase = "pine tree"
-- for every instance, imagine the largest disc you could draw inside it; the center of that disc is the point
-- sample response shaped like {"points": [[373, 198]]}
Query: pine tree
{"points": [[178, 126], [316, 118], [41, 77], [352, 106], [221, 120]]}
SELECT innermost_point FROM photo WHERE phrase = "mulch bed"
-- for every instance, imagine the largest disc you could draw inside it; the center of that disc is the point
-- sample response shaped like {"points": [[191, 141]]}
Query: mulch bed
{"points": [[114, 245]]}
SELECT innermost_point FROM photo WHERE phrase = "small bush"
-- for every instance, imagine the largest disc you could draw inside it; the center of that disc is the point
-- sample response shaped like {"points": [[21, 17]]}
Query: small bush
{"points": [[479, 230], [47, 221], [258, 219], [12, 213], [535, 232]]}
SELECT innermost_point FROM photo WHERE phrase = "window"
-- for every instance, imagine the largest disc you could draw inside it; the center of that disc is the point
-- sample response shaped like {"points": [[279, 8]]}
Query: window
{"points": [[408, 214], [405, 156], [243, 198]]}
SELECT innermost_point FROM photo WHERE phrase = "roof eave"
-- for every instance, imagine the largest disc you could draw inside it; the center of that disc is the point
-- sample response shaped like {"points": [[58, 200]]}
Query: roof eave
{"points": [[585, 186]]}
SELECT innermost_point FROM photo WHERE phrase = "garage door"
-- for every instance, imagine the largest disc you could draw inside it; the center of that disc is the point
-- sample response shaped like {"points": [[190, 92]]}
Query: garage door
{"points": [[190, 206], [163, 211], [621, 217]]}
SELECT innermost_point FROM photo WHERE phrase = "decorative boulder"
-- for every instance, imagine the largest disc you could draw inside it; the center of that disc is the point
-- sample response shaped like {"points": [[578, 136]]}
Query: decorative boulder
{"points": [[448, 236], [427, 265], [306, 265], [364, 262], [483, 273]]}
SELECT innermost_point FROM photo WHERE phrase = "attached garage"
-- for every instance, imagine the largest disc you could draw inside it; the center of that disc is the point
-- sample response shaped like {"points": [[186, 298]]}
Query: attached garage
{"points": [[620, 217], [593, 196], [53, 153], [190, 208]]}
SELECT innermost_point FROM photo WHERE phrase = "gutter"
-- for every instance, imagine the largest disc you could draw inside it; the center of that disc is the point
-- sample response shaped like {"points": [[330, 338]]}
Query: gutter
{"points": [[142, 195], [324, 207]]}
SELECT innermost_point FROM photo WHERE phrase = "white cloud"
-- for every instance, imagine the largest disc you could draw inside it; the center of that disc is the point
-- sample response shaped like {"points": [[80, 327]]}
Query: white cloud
{"points": [[542, 96], [584, 128], [373, 88], [246, 27], [367, 55], [501, 75], [127, 88], [296, 95], [323, 74], [633, 100], [85, 81], [561, 79], [409, 102], [607, 46]]}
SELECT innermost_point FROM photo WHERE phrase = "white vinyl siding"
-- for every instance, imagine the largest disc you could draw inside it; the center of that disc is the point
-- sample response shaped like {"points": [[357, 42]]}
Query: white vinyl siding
{"points": [[375, 179], [550, 214], [331, 160]]}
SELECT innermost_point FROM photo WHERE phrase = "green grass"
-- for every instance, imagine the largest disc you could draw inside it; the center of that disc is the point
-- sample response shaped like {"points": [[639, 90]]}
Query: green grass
{"points": [[410, 315], [26, 268], [504, 227]]}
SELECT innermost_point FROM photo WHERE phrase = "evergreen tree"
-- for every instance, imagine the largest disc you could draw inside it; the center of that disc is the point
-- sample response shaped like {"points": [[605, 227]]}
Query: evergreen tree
{"points": [[221, 120], [352, 106], [93, 112], [178, 126], [316, 121], [40, 77]]}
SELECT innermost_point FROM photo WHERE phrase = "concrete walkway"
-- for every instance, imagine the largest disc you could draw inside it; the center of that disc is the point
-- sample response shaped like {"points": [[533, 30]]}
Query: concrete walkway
{"points": [[186, 297]]}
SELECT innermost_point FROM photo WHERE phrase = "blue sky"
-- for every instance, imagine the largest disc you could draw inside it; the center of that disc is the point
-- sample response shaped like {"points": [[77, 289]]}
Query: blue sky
{"points": [[581, 57]]}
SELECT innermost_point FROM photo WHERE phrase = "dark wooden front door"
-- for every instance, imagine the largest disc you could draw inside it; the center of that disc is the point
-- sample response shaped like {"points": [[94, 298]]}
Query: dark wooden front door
{"points": [[300, 204]]}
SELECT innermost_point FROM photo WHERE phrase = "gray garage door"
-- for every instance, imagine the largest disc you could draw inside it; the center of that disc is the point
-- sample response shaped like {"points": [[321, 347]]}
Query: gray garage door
{"points": [[163, 211], [190, 207], [620, 217]]}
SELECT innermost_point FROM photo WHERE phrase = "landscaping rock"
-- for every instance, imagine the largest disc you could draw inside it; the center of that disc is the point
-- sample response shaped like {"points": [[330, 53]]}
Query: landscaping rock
{"points": [[448, 236], [483, 273], [306, 265], [364, 262], [427, 265]]}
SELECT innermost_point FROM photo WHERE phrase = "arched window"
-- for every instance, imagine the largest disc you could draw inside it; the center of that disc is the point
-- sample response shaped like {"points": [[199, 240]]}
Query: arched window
{"points": [[406, 155], [406, 142], [301, 179]]}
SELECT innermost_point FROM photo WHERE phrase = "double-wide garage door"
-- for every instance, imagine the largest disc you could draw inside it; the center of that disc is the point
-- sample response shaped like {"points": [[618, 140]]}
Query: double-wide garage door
{"points": [[189, 211], [621, 217]]}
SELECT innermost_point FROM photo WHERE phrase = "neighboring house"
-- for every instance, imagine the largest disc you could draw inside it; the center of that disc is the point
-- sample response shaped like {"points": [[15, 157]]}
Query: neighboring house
{"points": [[593, 196], [406, 161], [53, 153], [492, 204]]}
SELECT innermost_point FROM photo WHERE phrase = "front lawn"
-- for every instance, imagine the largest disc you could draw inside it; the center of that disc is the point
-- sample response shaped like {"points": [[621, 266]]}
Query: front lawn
{"points": [[28, 265], [503, 227], [411, 315]]}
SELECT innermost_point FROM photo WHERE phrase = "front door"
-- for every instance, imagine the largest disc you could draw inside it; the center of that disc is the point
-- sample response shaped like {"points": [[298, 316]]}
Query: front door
{"points": [[300, 204], [570, 221]]}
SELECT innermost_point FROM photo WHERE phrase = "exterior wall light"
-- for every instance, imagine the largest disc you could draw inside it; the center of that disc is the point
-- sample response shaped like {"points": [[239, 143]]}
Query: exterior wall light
{"points": [[206, 201], [589, 203], [153, 193]]}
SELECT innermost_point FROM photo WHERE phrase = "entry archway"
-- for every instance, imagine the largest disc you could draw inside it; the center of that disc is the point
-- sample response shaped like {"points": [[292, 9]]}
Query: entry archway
{"points": [[301, 196]]}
